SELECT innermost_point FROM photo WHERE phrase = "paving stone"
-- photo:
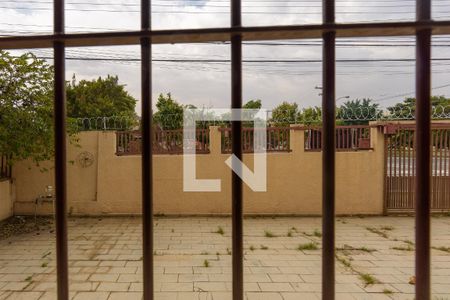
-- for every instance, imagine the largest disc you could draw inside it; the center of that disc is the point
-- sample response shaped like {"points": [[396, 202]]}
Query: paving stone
{"points": [[104, 277], [25, 296], [91, 296], [264, 296], [105, 259], [113, 286], [125, 296]]}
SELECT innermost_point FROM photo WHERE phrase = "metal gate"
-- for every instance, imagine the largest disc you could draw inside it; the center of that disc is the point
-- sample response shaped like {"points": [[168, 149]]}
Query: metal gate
{"points": [[401, 167]]}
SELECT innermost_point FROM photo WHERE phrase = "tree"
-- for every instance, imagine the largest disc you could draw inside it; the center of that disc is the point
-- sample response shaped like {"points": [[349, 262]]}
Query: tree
{"points": [[170, 112], [358, 112], [26, 107], [102, 97], [253, 104], [407, 108], [284, 114], [310, 116]]}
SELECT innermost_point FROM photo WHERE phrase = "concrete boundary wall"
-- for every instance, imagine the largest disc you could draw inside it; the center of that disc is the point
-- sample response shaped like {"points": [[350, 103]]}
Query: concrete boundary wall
{"points": [[112, 184], [6, 199]]}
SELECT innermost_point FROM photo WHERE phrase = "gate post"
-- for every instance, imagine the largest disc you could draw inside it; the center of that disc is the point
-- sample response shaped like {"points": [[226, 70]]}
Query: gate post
{"points": [[377, 143]]}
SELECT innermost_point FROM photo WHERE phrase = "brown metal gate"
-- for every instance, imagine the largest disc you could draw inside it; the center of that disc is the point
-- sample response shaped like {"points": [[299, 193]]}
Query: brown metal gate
{"points": [[401, 168]]}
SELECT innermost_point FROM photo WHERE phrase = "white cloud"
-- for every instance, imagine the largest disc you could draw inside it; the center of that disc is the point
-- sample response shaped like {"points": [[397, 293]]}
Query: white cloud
{"points": [[209, 84]]}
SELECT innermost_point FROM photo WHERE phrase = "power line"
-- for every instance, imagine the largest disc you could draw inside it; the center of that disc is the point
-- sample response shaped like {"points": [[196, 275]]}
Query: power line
{"points": [[266, 70], [214, 12], [247, 1], [341, 44], [212, 4], [250, 60], [120, 54], [407, 94]]}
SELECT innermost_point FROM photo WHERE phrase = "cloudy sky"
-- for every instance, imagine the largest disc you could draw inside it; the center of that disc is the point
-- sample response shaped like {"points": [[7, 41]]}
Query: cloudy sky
{"points": [[386, 78]]}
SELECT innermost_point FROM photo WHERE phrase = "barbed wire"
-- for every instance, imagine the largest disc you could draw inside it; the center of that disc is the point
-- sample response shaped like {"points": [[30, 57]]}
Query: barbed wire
{"points": [[104, 123], [361, 114], [312, 115]]}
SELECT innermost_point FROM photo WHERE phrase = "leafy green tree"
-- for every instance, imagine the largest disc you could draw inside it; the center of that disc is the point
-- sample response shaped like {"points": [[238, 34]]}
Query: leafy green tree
{"points": [[101, 97], [170, 113], [253, 104], [284, 114], [358, 112], [440, 101], [26, 107], [310, 116], [407, 108]]}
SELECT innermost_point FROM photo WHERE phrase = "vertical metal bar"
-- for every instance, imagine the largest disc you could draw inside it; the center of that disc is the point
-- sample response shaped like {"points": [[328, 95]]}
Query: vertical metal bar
{"points": [[446, 173], [60, 155], [423, 126], [412, 157], [433, 161], [236, 148], [386, 178], [439, 177], [147, 161], [395, 195], [288, 137], [389, 158], [328, 153], [400, 159], [404, 190]]}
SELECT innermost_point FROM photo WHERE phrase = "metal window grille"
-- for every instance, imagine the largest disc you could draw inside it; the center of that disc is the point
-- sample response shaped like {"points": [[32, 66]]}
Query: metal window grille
{"points": [[423, 28]]}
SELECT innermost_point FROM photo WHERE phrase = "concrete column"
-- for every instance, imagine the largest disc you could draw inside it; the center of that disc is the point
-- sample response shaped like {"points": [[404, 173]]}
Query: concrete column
{"points": [[297, 139], [377, 143], [215, 142]]}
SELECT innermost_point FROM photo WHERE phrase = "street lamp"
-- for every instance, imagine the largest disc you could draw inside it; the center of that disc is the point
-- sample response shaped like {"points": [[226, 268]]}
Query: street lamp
{"points": [[320, 94], [343, 97]]}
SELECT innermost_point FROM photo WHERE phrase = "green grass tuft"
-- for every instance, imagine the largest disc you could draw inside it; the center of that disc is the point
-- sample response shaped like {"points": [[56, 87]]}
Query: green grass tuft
{"points": [[344, 261], [387, 228], [269, 234], [206, 263], [403, 248], [307, 246], [377, 231], [317, 233], [220, 230], [444, 249], [351, 248], [368, 279]]}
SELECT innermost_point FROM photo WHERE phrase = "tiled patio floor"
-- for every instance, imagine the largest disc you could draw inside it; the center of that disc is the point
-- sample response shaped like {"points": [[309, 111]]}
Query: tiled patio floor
{"points": [[193, 261]]}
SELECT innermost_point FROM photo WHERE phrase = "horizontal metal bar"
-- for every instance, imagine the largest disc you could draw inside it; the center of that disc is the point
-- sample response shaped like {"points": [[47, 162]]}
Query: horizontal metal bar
{"points": [[224, 34]]}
